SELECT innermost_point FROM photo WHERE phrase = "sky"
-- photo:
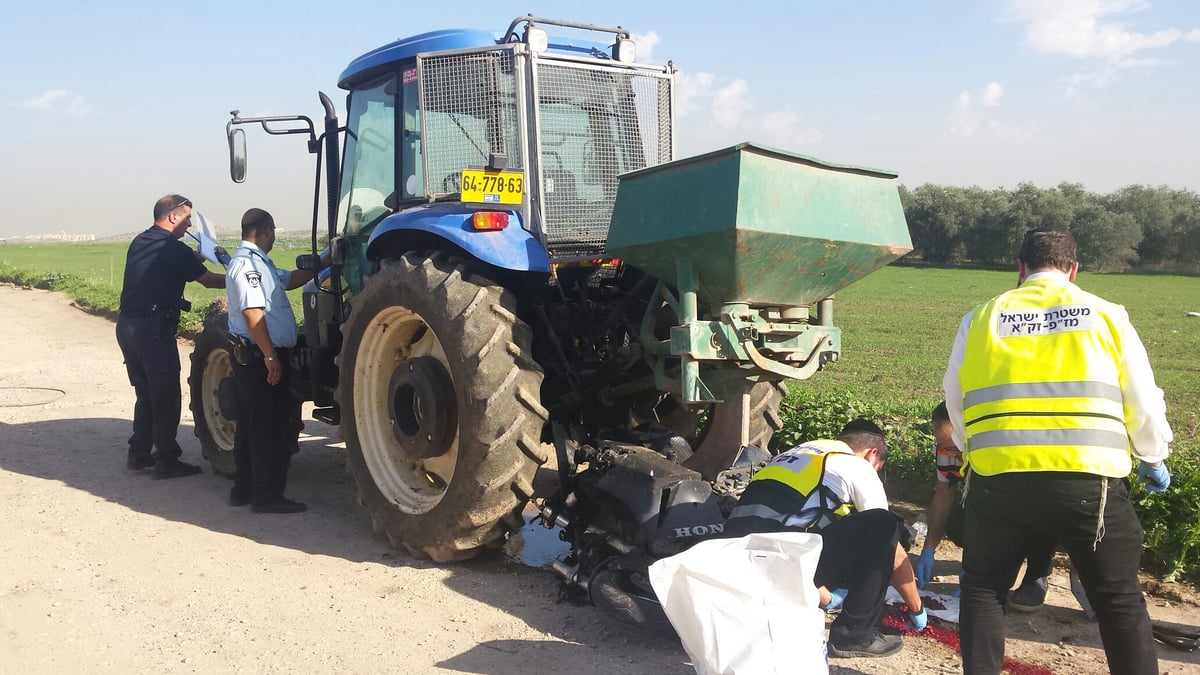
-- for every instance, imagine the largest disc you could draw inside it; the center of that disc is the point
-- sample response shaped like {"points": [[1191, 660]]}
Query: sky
{"points": [[106, 106]]}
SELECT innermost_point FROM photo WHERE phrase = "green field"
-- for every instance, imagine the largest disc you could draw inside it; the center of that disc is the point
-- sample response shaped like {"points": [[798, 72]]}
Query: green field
{"points": [[897, 325], [92, 273]]}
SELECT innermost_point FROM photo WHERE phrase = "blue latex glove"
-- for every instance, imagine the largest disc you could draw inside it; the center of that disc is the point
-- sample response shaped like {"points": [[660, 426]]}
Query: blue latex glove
{"points": [[1156, 478], [836, 597], [918, 621], [923, 568]]}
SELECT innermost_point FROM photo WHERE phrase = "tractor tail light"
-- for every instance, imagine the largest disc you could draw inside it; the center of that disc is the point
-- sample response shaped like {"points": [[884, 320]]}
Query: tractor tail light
{"points": [[489, 220]]}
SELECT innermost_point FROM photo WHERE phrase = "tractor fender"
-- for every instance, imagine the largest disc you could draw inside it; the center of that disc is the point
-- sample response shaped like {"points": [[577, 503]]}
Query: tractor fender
{"points": [[512, 248]]}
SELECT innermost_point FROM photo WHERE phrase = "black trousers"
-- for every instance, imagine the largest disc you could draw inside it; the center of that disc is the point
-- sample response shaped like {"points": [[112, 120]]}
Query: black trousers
{"points": [[152, 363], [1039, 551], [1005, 512], [265, 435], [858, 553]]}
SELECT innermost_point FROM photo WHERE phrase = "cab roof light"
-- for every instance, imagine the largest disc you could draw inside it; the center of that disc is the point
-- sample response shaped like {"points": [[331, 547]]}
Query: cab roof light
{"points": [[624, 50], [537, 39], [489, 221]]}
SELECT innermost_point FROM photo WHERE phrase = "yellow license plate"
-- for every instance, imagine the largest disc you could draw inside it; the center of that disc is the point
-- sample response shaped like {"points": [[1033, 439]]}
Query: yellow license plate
{"points": [[493, 187]]}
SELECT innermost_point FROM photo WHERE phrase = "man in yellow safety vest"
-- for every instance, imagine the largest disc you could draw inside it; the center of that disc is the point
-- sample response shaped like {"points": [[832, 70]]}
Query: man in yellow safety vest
{"points": [[1049, 390], [832, 488]]}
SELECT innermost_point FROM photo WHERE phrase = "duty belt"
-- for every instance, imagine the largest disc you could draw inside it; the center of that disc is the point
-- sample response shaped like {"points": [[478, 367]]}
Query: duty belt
{"points": [[238, 340], [241, 347]]}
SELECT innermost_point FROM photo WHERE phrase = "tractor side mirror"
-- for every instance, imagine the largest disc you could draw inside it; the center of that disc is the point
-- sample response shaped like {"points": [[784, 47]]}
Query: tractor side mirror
{"points": [[309, 262], [237, 155]]}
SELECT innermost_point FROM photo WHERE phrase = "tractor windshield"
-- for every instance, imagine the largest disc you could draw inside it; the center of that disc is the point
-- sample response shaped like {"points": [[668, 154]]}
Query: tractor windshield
{"points": [[576, 125], [369, 169], [572, 127], [588, 134], [470, 108]]}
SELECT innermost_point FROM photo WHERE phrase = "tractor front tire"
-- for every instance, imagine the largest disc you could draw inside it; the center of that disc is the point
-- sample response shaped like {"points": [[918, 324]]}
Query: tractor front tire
{"points": [[440, 404]]}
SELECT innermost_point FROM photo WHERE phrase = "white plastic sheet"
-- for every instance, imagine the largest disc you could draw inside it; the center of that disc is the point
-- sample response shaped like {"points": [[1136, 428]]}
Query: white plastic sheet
{"points": [[944, 607], [746, 606], [207, 237]]}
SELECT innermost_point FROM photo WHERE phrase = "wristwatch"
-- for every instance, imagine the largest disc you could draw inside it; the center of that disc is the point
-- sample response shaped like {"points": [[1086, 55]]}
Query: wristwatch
{"points": [[269, 358]]}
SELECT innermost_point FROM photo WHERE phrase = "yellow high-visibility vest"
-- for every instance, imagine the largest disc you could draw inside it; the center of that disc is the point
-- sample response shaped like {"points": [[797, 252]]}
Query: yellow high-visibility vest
{"points": [[1041, 384], [804, 501]]}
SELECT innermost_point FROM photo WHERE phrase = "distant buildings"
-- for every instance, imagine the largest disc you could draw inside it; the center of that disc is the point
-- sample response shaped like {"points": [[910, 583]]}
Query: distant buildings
{"points": [[61, 236]]}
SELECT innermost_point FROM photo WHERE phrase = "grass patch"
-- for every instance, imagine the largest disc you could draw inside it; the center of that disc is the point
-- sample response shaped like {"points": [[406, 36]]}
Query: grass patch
{"points": [[92, 273]]}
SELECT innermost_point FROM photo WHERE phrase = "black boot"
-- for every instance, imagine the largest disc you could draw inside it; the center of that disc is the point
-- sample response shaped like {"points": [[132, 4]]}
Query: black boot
{"points": [[878, 645], [279, 504], [136, 461], [1030, 595], [173, 468]]}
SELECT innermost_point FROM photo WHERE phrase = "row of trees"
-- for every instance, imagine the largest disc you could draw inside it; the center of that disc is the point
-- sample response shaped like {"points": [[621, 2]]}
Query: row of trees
{"points": [[1135, 228]]}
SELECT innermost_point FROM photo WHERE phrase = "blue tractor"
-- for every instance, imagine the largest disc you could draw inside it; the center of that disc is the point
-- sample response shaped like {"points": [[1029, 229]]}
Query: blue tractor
{"points": [[500, 327]]}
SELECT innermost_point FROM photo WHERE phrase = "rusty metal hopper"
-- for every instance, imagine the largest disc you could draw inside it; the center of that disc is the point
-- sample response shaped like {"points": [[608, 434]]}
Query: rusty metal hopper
{"points": [[759, 226]]}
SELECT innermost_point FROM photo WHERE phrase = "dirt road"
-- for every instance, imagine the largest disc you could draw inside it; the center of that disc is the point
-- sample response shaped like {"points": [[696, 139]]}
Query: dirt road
{"points": [[107, 571]]}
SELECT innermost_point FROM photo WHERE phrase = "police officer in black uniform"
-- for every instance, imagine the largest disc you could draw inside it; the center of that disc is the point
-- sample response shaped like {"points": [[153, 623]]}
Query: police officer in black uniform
{"points": [[157, 267], [262, 329]]}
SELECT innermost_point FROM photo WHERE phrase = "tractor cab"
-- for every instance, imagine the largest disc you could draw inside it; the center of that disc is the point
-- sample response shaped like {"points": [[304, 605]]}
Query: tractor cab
{"points": [[505, 146]]}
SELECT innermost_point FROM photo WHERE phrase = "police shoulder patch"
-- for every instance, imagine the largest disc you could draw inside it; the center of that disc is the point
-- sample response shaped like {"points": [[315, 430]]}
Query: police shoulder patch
{"points": [[253, 278]]}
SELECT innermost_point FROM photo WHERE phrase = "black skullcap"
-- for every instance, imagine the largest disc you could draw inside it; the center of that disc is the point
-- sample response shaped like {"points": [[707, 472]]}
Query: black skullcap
{"points": [[862, 425]]}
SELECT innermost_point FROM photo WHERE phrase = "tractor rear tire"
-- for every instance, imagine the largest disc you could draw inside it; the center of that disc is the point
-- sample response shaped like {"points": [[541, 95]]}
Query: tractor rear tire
{"points": [[440, 405], [207, 382]]}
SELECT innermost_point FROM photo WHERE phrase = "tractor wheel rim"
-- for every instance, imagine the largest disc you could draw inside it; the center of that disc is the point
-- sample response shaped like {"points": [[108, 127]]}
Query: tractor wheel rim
{"points": [[222, 429], [391, 409], [422, 403]]}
